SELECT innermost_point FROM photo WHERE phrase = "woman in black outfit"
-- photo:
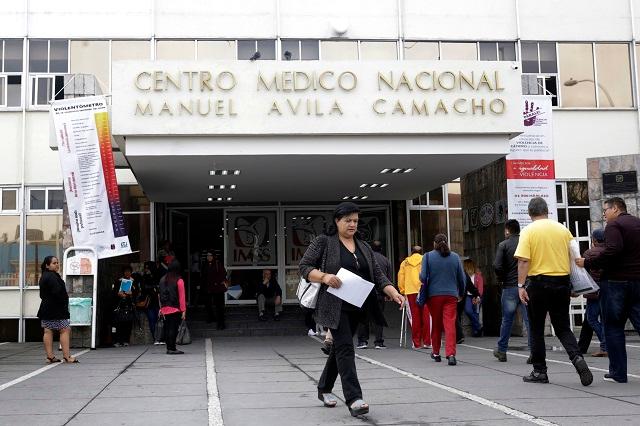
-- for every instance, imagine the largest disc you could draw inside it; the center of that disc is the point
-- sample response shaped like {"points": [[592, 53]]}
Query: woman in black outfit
{"points": [[326, 255], [54, 309]]}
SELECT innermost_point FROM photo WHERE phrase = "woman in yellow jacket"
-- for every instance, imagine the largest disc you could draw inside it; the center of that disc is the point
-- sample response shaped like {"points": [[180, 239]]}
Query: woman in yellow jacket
{"points": [[409, 285]]}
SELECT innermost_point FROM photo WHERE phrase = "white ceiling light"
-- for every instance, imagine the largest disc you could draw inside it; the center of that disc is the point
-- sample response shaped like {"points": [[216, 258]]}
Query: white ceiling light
{"points": [[385, 171], [209, 199], [222, 186], [374, 185], [396, 170], [223, 172]]}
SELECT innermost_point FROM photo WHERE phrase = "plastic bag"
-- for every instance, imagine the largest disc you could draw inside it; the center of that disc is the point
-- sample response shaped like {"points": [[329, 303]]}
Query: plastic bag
{"points": [[184, 336], [158, 334], [81, 310], [581, 281]]}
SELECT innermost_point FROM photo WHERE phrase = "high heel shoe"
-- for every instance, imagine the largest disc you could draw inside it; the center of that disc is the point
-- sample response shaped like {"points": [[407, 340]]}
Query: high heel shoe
{"points": [[52, 360], [71, 360]]}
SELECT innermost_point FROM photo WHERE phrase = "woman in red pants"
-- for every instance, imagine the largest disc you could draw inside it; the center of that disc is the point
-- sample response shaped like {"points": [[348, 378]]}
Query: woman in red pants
{"points": [[445, 280]]}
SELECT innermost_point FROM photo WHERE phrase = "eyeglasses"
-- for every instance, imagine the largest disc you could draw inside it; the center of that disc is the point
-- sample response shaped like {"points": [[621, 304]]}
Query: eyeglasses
{"points": [[604, 211]]}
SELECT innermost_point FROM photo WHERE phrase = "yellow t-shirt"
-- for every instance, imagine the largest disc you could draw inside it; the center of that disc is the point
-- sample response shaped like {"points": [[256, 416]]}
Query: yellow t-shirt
{"points": [[545, 243]]}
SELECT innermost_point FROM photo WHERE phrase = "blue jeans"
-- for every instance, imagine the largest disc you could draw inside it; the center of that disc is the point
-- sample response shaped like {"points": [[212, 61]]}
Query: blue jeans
{"points": [[593, 314], [473, 313], [619, 300], [152, 316], [510, 302]]}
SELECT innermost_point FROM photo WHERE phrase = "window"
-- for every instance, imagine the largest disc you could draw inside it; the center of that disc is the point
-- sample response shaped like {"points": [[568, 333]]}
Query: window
{"points": [[216, 49], [577, 75], [43, 238], [263, 50], [421, 50], [122, 50], [306, 50], [613, 75], [339, 50], [459, 51], [9, 199], [91, 57], [378, 50], [175, 50], [10, 73], [46, 199], [500, 51], [9, 250], [540, 69], [46, 59], [573, 210]]}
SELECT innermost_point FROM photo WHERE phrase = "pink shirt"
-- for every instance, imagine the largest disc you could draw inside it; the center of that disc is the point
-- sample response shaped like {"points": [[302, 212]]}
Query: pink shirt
{"points": [[166, 310]]}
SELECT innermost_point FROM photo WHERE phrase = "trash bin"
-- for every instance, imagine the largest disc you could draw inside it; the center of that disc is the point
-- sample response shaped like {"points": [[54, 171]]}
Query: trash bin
{"points": [[80, 309]]}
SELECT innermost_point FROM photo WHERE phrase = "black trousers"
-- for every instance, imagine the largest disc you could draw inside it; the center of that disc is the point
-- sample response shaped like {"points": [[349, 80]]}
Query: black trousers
{"points": [[214, 303], [363, 329], [460, 312], [342, 359], [123, 331], [308, 319], [550, 295], [171, 324], [586, 334]]}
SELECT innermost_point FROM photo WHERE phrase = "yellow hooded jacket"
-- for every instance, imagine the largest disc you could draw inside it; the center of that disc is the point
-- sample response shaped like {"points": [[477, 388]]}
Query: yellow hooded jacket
{"points": [[408, 275]]}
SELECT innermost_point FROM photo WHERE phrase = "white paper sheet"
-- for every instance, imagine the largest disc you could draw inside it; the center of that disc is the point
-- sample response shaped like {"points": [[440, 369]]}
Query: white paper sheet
{"points": [[353, 289]]}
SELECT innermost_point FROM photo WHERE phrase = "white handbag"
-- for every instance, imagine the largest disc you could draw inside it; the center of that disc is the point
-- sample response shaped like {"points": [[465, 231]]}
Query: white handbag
{"points": [[308, 293]]}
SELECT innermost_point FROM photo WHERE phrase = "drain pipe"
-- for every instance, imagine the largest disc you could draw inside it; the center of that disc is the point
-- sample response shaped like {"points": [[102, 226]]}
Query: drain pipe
{"points": [[634, 57], [22, 199]]}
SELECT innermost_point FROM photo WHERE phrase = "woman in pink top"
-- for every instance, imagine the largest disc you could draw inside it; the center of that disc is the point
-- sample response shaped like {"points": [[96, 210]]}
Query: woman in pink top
{"points": [[472, 304], [173, 304]]}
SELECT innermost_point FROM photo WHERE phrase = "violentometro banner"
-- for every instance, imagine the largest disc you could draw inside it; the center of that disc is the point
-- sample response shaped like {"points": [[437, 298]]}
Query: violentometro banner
{"points": [[530, 164], [84, 145]]}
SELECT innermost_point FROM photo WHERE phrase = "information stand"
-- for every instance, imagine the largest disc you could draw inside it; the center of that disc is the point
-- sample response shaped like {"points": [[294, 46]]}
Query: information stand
{"points": [[80, 273]]}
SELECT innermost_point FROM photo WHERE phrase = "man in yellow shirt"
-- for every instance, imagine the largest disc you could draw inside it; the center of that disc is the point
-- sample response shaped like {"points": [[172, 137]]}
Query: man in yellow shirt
{"points": [[543, 285]]}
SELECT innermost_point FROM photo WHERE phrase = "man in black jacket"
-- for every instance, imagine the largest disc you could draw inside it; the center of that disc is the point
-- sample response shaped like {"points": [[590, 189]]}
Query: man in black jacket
{"points": [[506, 268], [620, 285], [363, 329]]}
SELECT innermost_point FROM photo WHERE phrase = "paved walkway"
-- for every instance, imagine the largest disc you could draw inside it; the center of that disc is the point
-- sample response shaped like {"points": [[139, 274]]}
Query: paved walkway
{"points": [[271, 381]]}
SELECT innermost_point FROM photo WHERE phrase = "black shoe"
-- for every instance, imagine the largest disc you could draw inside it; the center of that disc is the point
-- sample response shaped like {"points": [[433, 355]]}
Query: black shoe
{"points": [[536, 377], [586, 378], [174, 352], [460, 340], [502, 356], [530, 360], [609, 378], [276, 317], [436, 358], [326, 349], [452, 360], [262, 317]]}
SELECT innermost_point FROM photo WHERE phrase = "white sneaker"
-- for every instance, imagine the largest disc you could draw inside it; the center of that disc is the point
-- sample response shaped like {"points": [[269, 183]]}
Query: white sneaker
{"points": [[117, 345], [362, 346], [311, 333], [156, 343], [426, 346]]}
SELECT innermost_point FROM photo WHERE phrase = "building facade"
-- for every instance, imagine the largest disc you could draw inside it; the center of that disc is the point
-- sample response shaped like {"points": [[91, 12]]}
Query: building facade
{"points": [[257, 175]]}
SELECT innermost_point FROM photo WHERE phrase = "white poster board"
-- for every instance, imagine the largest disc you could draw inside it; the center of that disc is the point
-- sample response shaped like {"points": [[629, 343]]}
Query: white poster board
{"points": [[84, 146], [530, 164]]}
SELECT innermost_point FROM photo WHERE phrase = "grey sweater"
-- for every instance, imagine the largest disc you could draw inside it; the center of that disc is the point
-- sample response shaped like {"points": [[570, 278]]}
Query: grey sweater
{"points": [[324, 254]]}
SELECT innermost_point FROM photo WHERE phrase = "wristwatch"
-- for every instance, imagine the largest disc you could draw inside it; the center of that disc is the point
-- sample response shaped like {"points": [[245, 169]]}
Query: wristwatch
{"points": [[520, 285]]}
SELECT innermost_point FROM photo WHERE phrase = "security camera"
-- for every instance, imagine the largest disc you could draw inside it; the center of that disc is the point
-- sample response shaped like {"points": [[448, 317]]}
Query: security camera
{"points": [[515, 65]]}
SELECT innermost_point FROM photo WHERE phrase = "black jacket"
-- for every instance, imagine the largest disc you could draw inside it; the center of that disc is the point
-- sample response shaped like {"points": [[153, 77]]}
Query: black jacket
{"points": [[55, 300], [620, 258], [505, 265]]}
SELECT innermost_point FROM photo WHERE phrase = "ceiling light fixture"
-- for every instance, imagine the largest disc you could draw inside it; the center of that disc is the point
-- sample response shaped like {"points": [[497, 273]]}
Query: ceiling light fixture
{"points": [[222, 172], [397, 170]]}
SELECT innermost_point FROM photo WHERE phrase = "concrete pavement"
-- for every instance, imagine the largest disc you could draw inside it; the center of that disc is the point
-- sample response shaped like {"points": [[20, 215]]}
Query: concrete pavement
{"points": [[271, 381]]}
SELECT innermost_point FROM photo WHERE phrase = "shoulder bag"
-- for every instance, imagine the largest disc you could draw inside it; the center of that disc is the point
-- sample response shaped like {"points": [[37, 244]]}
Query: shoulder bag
{"points": [[307, 292]]}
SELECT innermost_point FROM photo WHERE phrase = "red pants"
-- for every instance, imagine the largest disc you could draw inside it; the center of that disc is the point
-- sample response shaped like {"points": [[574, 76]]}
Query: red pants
{"points": [[420, 323], [443, 314]]}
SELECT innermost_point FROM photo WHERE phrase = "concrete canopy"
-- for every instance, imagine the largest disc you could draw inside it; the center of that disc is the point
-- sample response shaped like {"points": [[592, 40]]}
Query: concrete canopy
{"points": [[298, 168]]}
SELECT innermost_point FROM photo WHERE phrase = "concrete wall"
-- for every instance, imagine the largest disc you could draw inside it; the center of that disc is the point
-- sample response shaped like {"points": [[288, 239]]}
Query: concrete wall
{"points": [[491, 19], [596, 167]]}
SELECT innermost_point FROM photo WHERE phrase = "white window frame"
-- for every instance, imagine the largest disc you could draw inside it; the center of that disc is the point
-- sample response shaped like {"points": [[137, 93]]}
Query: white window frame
{"points": [[564, 205], [46, 190], [3, 90], [255, 41], [37, 75], [15, 211]]}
